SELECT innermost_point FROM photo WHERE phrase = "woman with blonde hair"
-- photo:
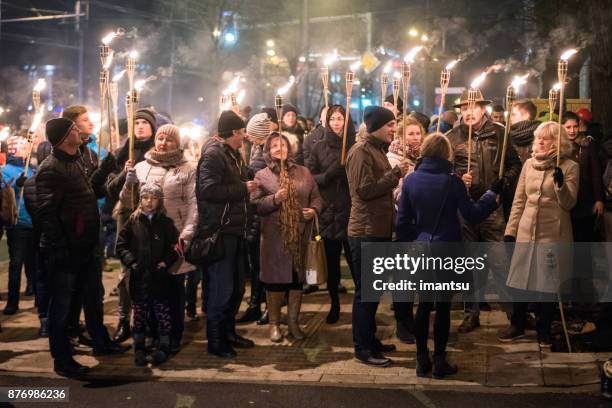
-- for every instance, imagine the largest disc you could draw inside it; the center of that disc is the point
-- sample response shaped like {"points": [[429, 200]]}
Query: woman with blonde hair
{"points": [[432, 199], [413, 134], [540, 214]]}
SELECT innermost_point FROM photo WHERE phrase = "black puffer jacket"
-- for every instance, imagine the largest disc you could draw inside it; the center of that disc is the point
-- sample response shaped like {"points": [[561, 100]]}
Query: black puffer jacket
{"points": [[115, 182], [142, 244], [324, 164], [221, 179], [585, 152], [29, 200], [257, 162], [67, 206]]}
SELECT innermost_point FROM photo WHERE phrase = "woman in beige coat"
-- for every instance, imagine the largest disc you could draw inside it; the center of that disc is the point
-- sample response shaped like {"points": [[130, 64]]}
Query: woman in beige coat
{"points": [[287, 212], [166, 165], [539, 223]]}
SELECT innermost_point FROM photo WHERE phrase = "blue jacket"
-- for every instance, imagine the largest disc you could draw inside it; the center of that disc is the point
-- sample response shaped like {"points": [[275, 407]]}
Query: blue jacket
{"points": [[10, 173], [423, 193]]}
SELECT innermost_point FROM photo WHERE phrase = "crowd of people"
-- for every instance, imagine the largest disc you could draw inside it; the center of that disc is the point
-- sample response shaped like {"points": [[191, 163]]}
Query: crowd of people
{"points": [[253, 197]]}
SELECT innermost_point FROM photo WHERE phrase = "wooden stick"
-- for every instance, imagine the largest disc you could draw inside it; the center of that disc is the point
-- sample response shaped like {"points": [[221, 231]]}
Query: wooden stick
{"points": [[510, 96], [406, 86], [471, 105], [396, 89], [278, 104], [384, 84], [444, 81], [562, 74], [350, 76], [325, 80]]}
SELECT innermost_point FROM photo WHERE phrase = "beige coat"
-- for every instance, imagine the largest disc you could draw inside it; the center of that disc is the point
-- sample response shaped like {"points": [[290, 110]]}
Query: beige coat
{"points": [[178, 185], [541, 214]]}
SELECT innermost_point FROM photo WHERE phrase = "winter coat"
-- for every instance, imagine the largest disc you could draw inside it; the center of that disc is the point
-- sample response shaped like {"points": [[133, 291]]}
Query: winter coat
{"points": [[371, 183], [67, 206], [487, 145], [15, 167], [334, 189], [220, 180], [422, 196], [29, 200], [142, 244], [178, 185], [295, 135], [585, 152], [541, 214], [394, 160], [257, 162], [43, 151], [311, 140], [275, 262]]}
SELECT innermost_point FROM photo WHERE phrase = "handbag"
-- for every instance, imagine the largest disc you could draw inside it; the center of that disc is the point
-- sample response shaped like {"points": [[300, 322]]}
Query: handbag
{"points": [[205, 249], [315, 261]]}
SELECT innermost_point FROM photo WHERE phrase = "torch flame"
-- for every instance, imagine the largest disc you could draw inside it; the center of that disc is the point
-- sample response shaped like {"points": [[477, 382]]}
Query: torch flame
{"points": [[283, 90], [133, 54], [355, 65], [240, 96], [567, 54], [117, 77], [109, 60], [451, 65], [397, 75], [388, 67], [108, 38], [37, 119], [40, 85], [4, 133], [557, 86], [233, 86], [331, 58], [138, 85], [476, 83], [519, 81], [409, 58]]}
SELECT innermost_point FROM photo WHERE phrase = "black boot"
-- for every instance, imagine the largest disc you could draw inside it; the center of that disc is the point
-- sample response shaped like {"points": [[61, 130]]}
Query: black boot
{"points": [[252, 314], [334, 311], [140, 354], [217, 344], [264, 319], [162, 353], [234, 339], [442, 368], [44, 327], [423, 366], [123, 331], [69, 368]]}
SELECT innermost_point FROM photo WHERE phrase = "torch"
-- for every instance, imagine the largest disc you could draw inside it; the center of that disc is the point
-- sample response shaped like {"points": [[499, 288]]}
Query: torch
{"points": [[350, 76], [384, 82], [278, 104], [511, 93], [234, 102], [472, 95], [114, 96], [130, 67], [396, 89], [103, 95], [406, 84], [33, 128], [444, 81], [325, 80], [553, 97], [562, 75]]}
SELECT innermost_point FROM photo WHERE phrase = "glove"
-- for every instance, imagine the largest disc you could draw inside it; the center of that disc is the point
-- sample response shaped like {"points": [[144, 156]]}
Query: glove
{"points": [[21, 180], [109, 164], [497, 186], [509, 238], [130, 177], [558, 177]]}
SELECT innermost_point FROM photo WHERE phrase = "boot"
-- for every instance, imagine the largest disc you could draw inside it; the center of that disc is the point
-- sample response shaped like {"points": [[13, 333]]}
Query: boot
{"points": [[234, 339], [140, 355], [162, 353], [274, 300], [123, 331], [217, 346], [334, 311], [44, 327], [252, 314], [423, 366], [442, 368], [295, 303], [265, 319]]}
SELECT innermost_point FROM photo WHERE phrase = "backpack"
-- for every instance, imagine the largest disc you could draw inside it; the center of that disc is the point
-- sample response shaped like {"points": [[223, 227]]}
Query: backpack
{"points": [[8, 204]]}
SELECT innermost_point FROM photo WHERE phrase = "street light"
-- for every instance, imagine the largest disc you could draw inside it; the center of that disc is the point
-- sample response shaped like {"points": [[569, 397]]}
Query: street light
{"points": [[271, 53], [270, 43], [413, 32], [424, 38]]}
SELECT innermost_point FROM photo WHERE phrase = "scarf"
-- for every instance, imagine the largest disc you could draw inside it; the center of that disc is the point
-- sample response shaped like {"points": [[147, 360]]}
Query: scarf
{"points": [[521, 133], [545, 161], [414, 151], [165, 159]]}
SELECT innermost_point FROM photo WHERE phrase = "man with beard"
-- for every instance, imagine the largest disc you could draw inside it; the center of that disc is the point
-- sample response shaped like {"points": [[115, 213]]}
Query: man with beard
{"points": [[487, 141]]}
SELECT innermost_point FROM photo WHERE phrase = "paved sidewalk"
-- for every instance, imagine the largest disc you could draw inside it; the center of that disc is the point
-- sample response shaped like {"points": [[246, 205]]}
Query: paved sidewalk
{"points": [[325, 357]]}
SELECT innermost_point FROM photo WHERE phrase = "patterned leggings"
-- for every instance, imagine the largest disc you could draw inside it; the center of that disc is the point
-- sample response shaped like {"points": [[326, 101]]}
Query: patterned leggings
{"points": [[162, 315]]}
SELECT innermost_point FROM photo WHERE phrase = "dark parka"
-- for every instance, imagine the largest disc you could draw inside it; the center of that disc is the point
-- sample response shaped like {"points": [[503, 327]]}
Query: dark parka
{"points": [[221, 179], [487, 145], [142, 244], [257, 162], [67, 206], [311, 140], [585, 152], [333, 185]]}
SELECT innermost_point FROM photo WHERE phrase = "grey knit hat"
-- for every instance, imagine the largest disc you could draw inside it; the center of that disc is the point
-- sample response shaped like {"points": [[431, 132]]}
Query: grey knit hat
{"points": [[259, 126], [153, 189]]}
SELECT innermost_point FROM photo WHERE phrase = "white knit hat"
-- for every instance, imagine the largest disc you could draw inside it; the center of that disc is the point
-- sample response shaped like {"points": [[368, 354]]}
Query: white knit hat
{"points": [[171, 132], [259, 126]]}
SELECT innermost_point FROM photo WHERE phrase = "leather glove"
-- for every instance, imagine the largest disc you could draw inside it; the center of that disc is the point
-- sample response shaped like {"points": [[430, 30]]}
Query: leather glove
{"points": [[509, 238], [558, 177], [130, 177], [21, 180], [497, 186]]}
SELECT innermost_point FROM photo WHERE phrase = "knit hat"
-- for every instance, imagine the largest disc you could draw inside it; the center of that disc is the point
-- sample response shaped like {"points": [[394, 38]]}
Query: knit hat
{"points": [[289, 108], [147, 115], [376, 117], [400, 102], [259, 126], [57, 130], [421, 118], [171, 132], [229, 121], [271, 112], [153, 189]]}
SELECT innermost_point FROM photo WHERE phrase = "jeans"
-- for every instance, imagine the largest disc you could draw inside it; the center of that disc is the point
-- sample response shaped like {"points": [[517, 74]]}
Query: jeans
{"points": [[333, 250], [441, 326], [42, 282], [77, 279], [177, 307], [225, 281], [256, 286], [22, 252], [110, 233], [364, 313], [191, 289]]}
